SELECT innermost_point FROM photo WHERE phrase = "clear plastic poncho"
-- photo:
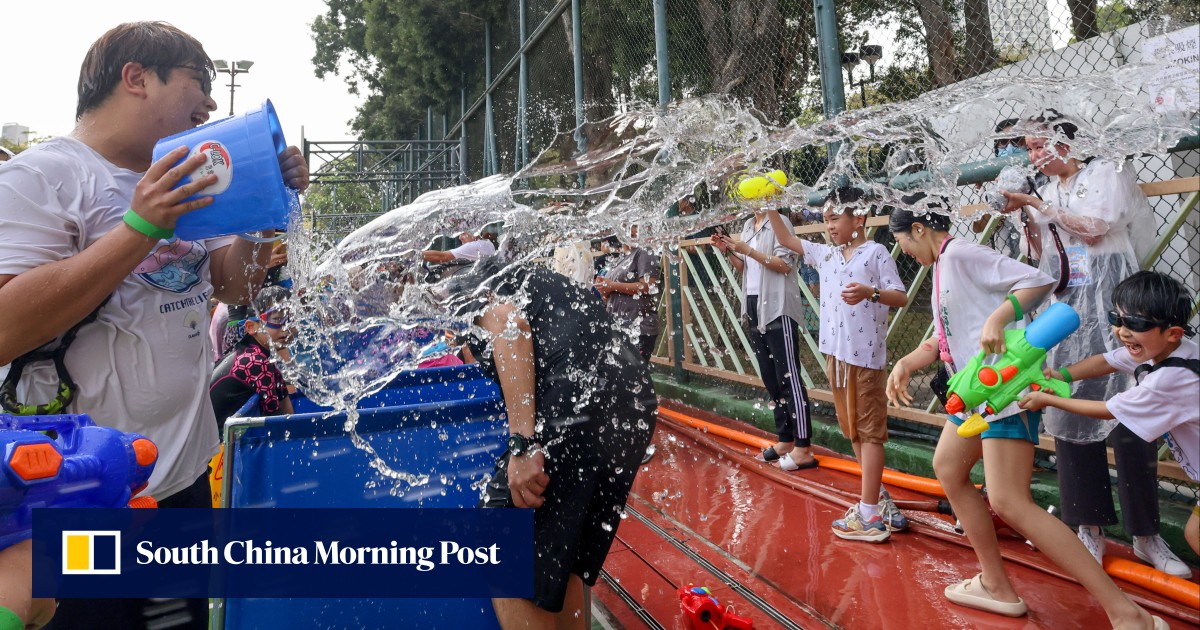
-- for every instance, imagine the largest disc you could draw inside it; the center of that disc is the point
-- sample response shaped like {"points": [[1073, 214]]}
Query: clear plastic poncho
{"points": [[1105, 225]]}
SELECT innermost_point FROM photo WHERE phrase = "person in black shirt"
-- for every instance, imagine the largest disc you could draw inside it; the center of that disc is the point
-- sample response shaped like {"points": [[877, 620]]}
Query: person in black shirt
{"points": [[581, 410]]}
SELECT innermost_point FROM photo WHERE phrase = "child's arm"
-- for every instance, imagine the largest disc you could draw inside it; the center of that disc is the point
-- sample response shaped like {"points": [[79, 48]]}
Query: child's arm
{"points": [[991, 338], [856, 292], [1097, 409], [897, 383], [786, 237], [1091, 367]]}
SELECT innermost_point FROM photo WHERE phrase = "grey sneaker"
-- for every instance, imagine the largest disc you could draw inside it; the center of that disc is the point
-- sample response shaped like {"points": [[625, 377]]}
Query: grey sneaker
{"points": [[1093, 538], [1154, 550], [892, 517]]}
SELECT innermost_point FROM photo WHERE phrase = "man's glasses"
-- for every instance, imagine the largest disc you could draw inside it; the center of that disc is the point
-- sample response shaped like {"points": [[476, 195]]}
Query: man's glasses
{"points": [[1136, 323], [203, 75]]}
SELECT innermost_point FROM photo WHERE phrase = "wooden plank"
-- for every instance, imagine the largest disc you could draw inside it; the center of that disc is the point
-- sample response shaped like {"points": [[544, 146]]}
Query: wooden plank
{"points": [[1171, 186]]}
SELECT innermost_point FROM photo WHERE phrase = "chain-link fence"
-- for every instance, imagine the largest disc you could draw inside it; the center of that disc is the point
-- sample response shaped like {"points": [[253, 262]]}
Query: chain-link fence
{"points": [[768, 54]]}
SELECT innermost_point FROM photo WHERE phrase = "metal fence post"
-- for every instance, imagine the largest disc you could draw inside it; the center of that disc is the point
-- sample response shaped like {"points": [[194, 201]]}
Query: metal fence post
{"points": [[577, 49], [490, 167], [664, 97], [522, 156], [829, 51]]}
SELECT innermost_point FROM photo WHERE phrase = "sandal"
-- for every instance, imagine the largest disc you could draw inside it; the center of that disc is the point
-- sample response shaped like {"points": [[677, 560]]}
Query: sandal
{"points": [[769, 454], [972, 594], [787, 463]]}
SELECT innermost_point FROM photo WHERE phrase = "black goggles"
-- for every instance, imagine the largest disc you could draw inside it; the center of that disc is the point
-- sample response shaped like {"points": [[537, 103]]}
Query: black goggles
{"points": [[1136, 323]]}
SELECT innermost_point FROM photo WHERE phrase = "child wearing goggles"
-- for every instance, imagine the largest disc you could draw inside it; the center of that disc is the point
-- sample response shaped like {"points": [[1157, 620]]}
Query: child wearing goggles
{"points": [[1150, 320]]}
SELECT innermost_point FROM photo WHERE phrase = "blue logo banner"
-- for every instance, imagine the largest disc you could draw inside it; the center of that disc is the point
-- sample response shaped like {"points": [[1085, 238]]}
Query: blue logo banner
{"points": [[419, 553]]}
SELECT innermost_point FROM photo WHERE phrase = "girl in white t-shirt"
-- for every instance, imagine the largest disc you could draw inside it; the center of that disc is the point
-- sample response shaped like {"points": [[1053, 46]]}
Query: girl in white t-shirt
{"points": [[977, 293], [859, 281]]}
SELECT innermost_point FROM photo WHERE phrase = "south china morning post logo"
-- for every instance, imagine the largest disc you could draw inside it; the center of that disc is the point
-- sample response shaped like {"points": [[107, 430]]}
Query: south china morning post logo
{"points": [[91, 553], [333, 552], [279, 552]]}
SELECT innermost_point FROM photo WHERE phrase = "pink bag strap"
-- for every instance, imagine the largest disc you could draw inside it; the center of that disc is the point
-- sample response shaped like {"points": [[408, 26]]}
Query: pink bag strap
{"points": [[943, 343]]}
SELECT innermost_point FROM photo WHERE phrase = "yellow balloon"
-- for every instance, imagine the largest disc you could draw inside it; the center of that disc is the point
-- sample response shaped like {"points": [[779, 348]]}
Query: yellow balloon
{"points": [[763, 186]]}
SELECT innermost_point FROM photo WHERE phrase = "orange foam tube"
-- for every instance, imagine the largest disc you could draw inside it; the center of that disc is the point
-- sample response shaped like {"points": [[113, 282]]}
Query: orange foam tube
{"points": [[898, 479], [1178, 589]]}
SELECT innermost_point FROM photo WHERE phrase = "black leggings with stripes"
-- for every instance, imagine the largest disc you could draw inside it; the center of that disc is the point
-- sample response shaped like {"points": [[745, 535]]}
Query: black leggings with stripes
{"points": [[778, 357]]}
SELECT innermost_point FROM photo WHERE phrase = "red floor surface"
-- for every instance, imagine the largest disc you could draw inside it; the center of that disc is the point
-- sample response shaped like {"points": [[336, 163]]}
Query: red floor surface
{"points": [[703, 511]]}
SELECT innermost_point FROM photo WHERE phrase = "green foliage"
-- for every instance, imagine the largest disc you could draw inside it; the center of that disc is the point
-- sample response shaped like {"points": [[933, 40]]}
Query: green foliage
{"points": [[404, 55], [1114, 15]]}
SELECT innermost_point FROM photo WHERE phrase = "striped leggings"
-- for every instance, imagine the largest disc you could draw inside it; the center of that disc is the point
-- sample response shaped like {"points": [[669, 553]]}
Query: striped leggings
{"points": [[778, 357]]}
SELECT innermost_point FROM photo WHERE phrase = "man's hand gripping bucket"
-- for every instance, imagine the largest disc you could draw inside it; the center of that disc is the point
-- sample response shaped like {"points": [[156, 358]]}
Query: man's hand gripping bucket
{"points": [[250, 194]]}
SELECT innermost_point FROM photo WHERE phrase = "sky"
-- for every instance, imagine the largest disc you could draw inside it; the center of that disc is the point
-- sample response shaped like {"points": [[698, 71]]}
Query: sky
{"points": [[43, 42]]}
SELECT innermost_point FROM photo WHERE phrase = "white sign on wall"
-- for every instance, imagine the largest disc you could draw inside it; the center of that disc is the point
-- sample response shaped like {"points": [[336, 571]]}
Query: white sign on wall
{"points": [[1177, 88]]}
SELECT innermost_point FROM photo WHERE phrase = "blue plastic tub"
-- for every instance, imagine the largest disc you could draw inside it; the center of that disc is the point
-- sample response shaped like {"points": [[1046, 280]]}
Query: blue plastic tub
{"points": [[444, 422]]}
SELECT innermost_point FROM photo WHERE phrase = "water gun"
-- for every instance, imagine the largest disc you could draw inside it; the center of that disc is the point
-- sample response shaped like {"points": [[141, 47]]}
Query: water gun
{"points": [[1004, 382], [67, 461], [760, 187], [704, 612]]}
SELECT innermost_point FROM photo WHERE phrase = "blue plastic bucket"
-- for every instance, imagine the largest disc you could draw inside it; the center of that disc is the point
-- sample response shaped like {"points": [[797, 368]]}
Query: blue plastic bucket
{"points": [[249, 194]]}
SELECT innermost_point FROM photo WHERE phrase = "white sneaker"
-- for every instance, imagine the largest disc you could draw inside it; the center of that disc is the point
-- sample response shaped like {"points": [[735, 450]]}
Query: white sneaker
{"points": [[1093, 538], [1154, 550]]}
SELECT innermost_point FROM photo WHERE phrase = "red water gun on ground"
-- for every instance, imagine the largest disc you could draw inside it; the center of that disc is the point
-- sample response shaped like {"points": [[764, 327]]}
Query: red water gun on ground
{"points": [[704, 612], [67, 462]]}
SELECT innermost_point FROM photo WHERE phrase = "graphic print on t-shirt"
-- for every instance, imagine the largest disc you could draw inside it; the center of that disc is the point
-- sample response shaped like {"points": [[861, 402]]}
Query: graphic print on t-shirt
{"points": [[174, 266]]}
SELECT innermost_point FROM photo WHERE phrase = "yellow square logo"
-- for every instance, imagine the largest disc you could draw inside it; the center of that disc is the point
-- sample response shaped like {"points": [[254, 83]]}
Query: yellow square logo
{"points": [[91, 552]]}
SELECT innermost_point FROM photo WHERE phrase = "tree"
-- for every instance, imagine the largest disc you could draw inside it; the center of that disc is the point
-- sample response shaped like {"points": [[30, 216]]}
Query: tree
{"points": [[1083, 19], [405, 55], [939, 41], [979, 53]]}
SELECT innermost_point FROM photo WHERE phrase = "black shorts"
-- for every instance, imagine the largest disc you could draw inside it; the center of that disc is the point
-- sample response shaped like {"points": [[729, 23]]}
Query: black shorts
{"points": [[591, 465]]}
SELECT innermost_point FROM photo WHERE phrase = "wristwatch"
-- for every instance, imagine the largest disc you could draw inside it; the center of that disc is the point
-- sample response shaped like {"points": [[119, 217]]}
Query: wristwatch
{"points": [[519, 445], [875, 294]]}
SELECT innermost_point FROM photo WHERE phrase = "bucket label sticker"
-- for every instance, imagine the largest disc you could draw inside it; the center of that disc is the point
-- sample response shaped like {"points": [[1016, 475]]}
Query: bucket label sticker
{"points": [[218, 164]]}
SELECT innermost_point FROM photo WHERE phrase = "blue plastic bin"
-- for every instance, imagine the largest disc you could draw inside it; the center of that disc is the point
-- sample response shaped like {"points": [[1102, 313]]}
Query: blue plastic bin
{"points": [[444, 422]]}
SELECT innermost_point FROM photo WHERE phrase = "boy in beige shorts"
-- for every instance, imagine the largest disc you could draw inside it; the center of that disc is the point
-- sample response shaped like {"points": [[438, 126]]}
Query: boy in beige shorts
{"points": [[859, 281]]}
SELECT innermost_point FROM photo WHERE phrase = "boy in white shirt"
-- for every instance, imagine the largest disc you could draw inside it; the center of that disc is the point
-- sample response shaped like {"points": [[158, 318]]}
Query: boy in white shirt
{"points": [[859, 281], [1150, 320]]}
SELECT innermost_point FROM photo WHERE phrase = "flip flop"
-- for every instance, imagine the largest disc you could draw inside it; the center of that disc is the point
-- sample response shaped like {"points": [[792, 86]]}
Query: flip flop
{"points": [[769, 454], [972, 594], [787, 463]]}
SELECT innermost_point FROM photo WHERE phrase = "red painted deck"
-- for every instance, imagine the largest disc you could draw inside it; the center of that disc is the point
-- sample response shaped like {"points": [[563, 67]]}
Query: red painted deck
{"points": [[704, 511]]}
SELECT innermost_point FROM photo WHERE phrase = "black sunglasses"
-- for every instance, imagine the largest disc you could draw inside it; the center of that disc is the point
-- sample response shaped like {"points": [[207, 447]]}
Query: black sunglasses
{"points": [[1136, 323]]}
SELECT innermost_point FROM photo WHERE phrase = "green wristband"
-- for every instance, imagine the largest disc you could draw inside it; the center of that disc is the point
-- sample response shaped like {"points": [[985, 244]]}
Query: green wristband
{"points": [[1066, 374], [133, 220], [9, 620], [1019, 315]]}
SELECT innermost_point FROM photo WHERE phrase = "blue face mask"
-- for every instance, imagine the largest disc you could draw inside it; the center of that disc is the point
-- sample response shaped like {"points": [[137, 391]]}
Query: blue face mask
{"points": [[1011, 150]]}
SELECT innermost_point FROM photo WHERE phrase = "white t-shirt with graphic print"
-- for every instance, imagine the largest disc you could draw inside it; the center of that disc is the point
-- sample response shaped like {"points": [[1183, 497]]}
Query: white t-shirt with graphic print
{"points": [[975, 280], [853, 334], [1166, 402], [143, 366]]}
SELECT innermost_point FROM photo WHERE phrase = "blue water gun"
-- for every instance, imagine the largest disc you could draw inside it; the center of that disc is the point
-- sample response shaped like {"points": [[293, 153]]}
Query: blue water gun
{"points": [[1003, 383], [67, 461]]}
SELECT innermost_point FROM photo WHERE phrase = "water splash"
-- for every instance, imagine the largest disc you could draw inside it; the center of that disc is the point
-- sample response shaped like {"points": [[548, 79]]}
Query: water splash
{"points": [[369, 301]]}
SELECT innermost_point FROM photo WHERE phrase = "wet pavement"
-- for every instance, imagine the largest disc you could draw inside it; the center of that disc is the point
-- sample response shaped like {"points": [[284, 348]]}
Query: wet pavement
{"points": [[704, 511]]}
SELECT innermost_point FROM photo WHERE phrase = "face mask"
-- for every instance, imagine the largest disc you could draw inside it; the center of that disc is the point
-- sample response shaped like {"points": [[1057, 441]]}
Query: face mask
{"points": [[1011, 150]]}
